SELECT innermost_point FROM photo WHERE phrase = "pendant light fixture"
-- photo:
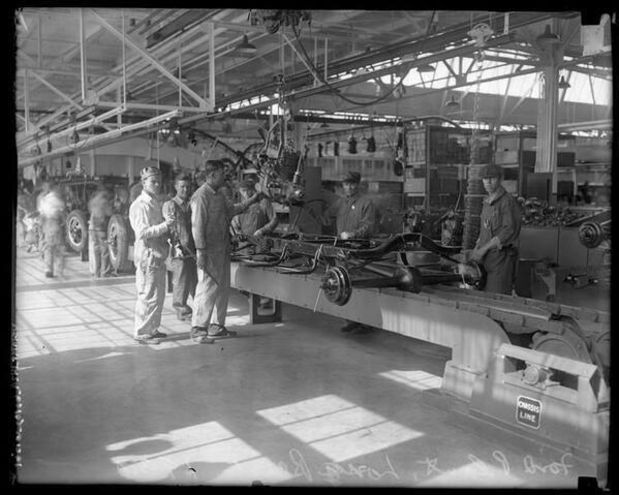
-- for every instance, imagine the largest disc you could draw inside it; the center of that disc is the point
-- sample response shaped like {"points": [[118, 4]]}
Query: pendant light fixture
{"points": [[352, 145], [548, 37], [245, 48], [427, 68], [452, 104], [563, 83]]}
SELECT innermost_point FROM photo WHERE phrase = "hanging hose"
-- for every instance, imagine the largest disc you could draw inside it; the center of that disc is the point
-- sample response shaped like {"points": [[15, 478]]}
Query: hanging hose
{"points": [[473, 200]]}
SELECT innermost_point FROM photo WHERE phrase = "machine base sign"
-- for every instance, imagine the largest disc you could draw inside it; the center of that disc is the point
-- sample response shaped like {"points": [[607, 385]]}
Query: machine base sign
{"points": [[528, 411]]}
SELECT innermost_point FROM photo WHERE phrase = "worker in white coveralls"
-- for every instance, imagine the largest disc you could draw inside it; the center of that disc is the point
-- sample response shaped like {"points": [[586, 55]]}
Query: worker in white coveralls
{"points": [[211, 214], [150, 252]]}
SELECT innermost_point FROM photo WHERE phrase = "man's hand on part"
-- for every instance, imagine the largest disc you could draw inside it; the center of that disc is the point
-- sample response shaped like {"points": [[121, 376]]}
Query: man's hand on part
{"points": [[201, 258], [169, 223], [477, 254], [345, 235], [255, 198], [259, 233]]}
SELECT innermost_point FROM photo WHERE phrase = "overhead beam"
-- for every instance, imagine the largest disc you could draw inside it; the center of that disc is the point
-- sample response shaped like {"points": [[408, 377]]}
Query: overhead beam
{"points": [[101, 139], [57, 91], [201, 101]]}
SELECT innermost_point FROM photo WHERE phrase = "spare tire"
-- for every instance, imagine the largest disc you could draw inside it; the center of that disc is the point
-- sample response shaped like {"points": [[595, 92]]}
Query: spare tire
{"points": [[118, 242], [76, 229]]}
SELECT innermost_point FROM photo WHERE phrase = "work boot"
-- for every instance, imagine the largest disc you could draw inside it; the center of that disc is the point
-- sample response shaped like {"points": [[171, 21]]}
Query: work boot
{"points": [[49, 274], [218, 331], [361, 330], [349, 327], [197, 333], [148, 339], [159, 335], [182, 316]]}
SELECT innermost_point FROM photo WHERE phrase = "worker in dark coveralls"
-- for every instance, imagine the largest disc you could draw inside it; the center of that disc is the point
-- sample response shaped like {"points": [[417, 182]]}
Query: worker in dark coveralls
{"points": [[497, 246], [150, 252], [355, 214], [211, 214], [259, 219], [183, 248], [355, 219]]}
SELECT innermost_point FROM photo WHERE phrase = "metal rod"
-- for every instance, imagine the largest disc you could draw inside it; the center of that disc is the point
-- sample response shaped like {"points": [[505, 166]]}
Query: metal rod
{"points": [[211, 62], [82, 56], [326, 57], [180, 74], [124, 60], [39, 57], [26, 101]]}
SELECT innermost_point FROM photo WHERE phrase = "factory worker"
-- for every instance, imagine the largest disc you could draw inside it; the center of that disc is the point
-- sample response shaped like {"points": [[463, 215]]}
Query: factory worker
{"points": [[497, 246], [259, 218], [183, 248], [211, 214], [355, 213], [150, 252], [100, 208], [51, 207], [355, 219]]}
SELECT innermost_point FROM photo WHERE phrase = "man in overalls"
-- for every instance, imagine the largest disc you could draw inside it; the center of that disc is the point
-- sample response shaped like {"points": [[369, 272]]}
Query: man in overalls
{"points": [[150, 252], [211, 214], [183, 248]]}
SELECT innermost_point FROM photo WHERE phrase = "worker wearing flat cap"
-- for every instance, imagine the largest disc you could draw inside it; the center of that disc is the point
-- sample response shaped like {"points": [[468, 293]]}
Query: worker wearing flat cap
{"points": [[355, 219], [497, 246], [355, 214], [211, 214], [150, 252]]}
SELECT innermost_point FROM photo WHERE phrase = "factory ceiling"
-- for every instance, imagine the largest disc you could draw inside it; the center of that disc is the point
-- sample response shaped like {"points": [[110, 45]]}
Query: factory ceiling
{"points": [[95, 71]]}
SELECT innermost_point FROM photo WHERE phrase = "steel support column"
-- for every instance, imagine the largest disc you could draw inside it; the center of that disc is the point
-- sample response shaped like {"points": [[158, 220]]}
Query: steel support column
{"points": [[82, 56]]}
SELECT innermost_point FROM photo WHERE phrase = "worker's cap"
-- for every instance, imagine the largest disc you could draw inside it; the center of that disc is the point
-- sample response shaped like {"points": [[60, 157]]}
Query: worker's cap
{"points": [[182, 176], [211, 165], [147, 172], [247, 183], [489, 171], [354, 177]]}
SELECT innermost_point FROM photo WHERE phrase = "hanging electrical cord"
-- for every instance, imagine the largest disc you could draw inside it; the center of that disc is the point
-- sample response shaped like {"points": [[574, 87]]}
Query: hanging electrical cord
{"points": [[473, 201], [336, 91]]}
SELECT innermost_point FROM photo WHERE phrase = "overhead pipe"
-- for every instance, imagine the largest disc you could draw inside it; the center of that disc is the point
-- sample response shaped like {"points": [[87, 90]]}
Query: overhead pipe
{"points": [[83, 125], [100, 139]]}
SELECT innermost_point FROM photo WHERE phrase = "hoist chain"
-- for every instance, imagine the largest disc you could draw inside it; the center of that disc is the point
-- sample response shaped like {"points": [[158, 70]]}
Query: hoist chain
{"points": [[475, 192]]}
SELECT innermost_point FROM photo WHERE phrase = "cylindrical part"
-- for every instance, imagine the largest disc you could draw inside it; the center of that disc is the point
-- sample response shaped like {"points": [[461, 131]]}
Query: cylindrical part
{"points": [[473, 203], [376, 282], [439, 278]]}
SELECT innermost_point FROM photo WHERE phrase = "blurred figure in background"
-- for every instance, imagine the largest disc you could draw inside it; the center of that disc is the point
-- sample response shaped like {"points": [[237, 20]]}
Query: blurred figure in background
{"points": [[51, 208], [100, 208]]}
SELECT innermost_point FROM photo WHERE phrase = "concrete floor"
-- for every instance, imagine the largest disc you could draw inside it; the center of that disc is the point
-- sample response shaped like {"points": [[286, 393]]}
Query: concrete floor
{"points": [[293, 403]]}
